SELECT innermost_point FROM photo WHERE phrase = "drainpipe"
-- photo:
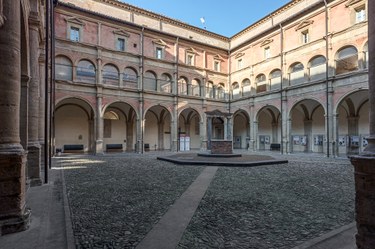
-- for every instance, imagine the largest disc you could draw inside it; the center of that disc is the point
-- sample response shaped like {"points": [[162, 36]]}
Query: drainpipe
{"points": [[52, 83], [281, 86], [142, 91], [46, 122], [176, 95], [327, 86]]}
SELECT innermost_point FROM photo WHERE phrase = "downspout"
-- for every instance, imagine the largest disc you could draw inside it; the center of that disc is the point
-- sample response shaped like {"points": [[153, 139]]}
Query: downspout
{"points": [[176, 94], [142, 91], [53, 87], [281, 87], [46, 122], [327, 86], [229, 102]]}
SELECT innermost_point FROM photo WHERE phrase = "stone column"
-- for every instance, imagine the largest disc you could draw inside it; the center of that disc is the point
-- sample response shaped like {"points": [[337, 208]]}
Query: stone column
{"points": [[251, 125], [41, 107], [33, 146], [288, 138], [99, 125], [275, 128], [230, 129], [203, 133], [129, 135], [255, 136], [14, 216], [226, 128], [209, 132], [307, 125], [160, 135], [364, 164], [285, 124]]}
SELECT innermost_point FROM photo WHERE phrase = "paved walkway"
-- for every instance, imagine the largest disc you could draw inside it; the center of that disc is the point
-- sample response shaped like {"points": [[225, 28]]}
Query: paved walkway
{"points": [[51, 225]]}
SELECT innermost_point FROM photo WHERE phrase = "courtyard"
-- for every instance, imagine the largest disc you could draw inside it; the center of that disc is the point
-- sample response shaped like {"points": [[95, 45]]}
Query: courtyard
{"points": [[115, 200]]}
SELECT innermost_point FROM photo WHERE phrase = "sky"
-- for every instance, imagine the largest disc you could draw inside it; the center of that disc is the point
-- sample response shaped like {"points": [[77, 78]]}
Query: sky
{"points": [[221, 17]]}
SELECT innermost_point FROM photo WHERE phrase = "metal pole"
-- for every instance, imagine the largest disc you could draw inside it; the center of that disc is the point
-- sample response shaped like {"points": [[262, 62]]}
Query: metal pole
{"points": [[46, 142], [327, 86]]}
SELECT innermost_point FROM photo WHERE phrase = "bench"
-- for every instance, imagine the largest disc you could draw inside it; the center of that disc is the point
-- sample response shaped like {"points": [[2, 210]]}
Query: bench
{"points": [[275, 147], [113, 147], [73, 148]]}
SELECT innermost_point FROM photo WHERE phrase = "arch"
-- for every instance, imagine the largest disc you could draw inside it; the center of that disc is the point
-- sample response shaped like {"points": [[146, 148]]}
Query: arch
{"points": [[296, 73], [236, 91], [268, 126], [182, 85], [307, 128], [196, 87], [74, 123], [241, 129], [275, 79], [346, 60], [317, 67], [261, 83], [210, 90], [150, 80], [130, 77], [86, 71], [189, 125], [110, 74], [166, 83], [63, 68], [246, 87], [157, 129], [219, 91]]}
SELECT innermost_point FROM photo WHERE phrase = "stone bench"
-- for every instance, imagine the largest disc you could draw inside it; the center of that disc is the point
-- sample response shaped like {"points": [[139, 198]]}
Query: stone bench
{"points": [[114, 147], [275, 147], [73, 148]]}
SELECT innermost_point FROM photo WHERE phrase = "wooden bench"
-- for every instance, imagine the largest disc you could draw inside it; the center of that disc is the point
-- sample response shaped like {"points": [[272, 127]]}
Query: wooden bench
{"points": [[73, 148], [275, 147], [114, 147]]}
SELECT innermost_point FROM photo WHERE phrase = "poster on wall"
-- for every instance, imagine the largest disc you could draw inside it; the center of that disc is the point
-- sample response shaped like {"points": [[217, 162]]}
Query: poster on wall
{"points": [[342, 141], [364, 141], [354, 141], [267, 140], [318, 140], [304, 140], [296, 140]]}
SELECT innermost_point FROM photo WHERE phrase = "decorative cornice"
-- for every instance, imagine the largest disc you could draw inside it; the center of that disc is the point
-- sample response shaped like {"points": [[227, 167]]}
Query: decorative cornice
{"points": [[191, 50], [218, 58], [351, 2], [160, 42], [238, 55], [121, 32], [75, 20], [266, 42], [304, 24]]}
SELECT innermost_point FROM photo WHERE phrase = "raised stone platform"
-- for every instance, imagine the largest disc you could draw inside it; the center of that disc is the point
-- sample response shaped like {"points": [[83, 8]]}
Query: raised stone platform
{"points": [[238, 161], [218, 155]]}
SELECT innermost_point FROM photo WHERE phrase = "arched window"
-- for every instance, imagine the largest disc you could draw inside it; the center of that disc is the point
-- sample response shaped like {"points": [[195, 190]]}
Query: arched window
{"points": [[236, 90], [130, 78], [317, 68], [110, 75], [275, 79], [261, 83], [210, 90], [63, 68], [195, 87], [346, 60], [220, 92], [86, 71], [166, 83], [149, 81], [182, 86], [365, 55], [246, 88], [296, 73]]}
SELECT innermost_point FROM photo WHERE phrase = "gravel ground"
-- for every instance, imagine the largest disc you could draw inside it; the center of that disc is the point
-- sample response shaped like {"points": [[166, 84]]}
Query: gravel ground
{"points": [[277, 206], [115, 201]]}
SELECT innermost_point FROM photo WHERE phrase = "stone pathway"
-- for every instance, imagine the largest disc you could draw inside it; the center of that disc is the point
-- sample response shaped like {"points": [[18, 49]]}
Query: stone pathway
{"points": [[167, 233]]}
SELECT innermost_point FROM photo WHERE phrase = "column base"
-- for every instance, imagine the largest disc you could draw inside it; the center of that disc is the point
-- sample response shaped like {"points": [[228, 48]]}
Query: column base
{"points": [[15, 224], [34, 164], [365, 200], [13, 215]]}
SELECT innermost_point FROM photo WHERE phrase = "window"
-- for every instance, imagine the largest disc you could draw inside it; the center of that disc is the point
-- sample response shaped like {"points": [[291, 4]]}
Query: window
{"points": [[182, 86], [239, 63], [74, 34], [210, 90], [195, 87], [86, 71], [236, 90], [346, 60], [267, 53], [317, 68], [150, 81], [110, 75], [305, 36], [217, 66], [63, 68], [130, 78], [120, 45], [261, 83], [296, 73], [166, 83], [360, 14], [159, 53], [275, 79], [246, 88], [190, 59], [220, 93]]}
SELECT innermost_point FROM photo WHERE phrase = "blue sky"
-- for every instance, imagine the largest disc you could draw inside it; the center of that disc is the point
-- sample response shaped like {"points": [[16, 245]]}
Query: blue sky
{"points": [[222, 17]]}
